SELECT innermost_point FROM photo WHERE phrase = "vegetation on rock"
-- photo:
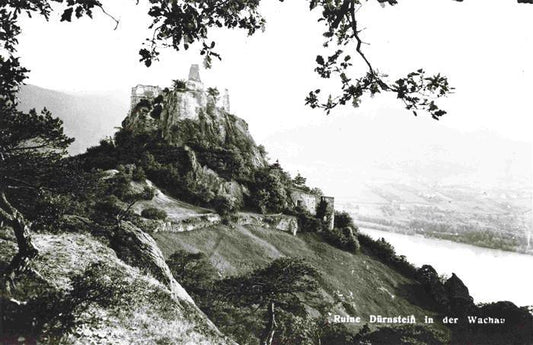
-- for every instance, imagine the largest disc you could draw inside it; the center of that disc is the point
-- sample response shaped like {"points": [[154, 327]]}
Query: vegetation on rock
{"points": [[154, 213]]}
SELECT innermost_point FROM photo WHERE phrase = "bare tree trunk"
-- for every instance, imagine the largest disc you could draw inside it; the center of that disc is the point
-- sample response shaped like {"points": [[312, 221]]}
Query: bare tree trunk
{"points": [[268, 335], [21, 227]]}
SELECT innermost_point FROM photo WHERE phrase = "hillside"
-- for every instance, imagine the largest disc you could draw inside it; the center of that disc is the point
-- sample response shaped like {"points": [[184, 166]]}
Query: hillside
{"points": [[355, 284], [88, 118], [483, 182], [178, 230], [82, 292]]}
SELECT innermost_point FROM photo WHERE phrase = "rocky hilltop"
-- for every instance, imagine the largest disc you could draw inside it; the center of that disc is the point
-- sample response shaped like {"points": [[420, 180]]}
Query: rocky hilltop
{"points": [[191, 114], [214, 145]]}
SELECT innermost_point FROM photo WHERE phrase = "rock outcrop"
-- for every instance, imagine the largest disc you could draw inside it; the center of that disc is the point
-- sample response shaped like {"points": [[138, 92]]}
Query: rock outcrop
{"points": [[458, 294], [450, 296], [83, 293], [216, 145], [270, 221], [429, 278], [190, 104], [138, 249]]}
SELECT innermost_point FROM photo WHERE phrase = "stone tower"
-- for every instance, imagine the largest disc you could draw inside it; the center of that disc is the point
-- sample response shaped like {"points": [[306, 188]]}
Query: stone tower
{"points": [[329, 216], [225, 101], [195, 82], [194, 73]]}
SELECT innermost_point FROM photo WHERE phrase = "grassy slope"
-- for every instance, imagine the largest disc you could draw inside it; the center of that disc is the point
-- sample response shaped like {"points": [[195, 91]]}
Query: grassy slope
{"points": [[366, 284]]}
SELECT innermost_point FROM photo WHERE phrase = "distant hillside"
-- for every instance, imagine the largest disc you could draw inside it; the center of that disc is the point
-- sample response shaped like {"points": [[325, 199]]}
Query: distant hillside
{"points": [[345, 152], [88, 117], [410, 175]]}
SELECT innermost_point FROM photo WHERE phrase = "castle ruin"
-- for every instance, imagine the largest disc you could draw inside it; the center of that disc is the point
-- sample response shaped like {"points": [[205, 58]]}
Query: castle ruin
{"points": [[311, 203], [193, 86], [189, 100], [140, 92]]}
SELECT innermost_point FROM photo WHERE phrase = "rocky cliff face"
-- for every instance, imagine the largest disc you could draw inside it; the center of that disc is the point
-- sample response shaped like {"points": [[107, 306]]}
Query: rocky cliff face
{"points": [[452, 295], [217, 146]]}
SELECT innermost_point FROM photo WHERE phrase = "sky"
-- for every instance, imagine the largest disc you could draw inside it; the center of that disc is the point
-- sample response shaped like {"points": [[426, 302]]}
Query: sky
{"points": [[485, 47]]}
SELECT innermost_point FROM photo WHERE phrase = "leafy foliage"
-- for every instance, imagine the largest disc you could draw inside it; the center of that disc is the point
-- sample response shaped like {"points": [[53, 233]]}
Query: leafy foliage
{"points": [[213, 92], [308, 222], [344, 233], [193, 271], [344, 219], [32, 146], [278, 282], [154, 213], [343, 238], [181, 24], [269, 189], [179, 84], [384, 251]]}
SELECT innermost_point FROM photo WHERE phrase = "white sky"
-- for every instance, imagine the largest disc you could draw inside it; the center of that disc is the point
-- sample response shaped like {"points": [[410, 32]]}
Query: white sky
{"points": [[485, 47]]}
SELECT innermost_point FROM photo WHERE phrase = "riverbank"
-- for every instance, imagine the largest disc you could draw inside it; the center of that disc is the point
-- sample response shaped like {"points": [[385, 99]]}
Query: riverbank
{"points": [[490, 274]]}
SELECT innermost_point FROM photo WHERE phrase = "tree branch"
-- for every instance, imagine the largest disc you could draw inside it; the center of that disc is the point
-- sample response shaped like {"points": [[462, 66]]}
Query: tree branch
{"points": [[117, 22], [21, 228], [353, 24]]}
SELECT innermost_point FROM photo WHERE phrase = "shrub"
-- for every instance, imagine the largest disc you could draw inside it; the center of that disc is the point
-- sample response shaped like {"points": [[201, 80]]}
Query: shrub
{"points": [[343, 219], [224, 206], [106, 209], [213, 92], [309, 223], [138, 174], [156, 111], [154, 213], [344, 239], [193, 271], [179, 84], [143, 103], [384, 251], [269, 190]]}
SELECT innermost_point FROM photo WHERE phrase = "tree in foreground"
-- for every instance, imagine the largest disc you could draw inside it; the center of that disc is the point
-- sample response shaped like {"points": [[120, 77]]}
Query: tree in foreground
{"points": [[279, 286], [31, 145]]}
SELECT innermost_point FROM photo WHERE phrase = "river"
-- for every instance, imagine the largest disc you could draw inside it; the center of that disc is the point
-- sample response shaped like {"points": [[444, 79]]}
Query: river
{"points": [[491, 275]]}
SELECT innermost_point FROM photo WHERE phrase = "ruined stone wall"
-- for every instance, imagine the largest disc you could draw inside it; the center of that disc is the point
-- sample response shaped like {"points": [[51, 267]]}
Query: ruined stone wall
{"points": [[310, 202], [187, 103], [140, 92], [279, 222], [305, 200], [329, 217]]}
